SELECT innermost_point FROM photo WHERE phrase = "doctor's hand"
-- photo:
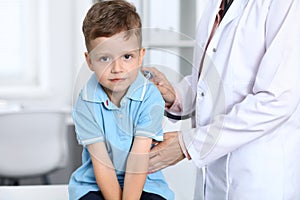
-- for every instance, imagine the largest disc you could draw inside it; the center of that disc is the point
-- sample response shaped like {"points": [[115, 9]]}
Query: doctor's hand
{"points": [[165, 153], [166, 89]]}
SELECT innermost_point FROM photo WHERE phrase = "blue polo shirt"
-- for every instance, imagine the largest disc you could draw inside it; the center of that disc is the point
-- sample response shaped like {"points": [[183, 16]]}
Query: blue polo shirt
{"points": [[97, 119]]}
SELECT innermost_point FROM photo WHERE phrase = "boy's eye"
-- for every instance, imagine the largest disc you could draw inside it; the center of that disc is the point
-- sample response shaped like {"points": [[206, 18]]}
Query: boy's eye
{"points": [[127, 56], [104, 59]]}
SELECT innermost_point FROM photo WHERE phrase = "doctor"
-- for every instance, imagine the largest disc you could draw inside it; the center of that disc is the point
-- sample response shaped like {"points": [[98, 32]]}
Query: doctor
{"points": [[246, 140]]}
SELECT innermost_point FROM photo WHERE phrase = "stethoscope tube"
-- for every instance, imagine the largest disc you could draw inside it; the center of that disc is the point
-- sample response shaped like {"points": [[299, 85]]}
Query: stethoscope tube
{"points": [[179, 117]]}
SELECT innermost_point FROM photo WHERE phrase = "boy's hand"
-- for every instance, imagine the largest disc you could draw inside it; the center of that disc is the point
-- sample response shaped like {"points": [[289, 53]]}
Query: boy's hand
{"points": [[166, 89]]}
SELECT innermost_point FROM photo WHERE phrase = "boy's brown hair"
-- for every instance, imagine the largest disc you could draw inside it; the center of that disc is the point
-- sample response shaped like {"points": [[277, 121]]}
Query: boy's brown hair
{"points": [[107, 18]]}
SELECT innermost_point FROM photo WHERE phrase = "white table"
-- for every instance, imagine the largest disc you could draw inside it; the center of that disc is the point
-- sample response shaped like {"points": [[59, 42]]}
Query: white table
{"points": [[34, 192]]}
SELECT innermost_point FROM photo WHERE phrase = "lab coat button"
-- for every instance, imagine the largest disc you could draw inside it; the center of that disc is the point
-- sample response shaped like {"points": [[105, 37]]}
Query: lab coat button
{"points": [[214, 50], [202, 94]]}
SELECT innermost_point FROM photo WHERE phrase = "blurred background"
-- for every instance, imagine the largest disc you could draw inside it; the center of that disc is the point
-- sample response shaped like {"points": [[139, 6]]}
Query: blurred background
{"points": [[42, 61]]}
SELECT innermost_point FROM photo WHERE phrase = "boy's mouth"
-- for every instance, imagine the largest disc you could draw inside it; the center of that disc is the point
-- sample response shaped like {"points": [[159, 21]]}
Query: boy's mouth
{"points": [[117, 79]]}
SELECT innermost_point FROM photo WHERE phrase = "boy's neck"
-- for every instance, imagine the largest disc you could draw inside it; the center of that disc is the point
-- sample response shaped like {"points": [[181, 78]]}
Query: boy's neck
{"points": [[116, 97]]}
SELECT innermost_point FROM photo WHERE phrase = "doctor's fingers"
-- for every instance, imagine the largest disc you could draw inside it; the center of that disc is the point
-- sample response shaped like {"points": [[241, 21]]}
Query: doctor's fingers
{"points": [[163, 84], [157, 76], [163, 159], [166, 153], [157, 156], [155, 165], [168, 94]]}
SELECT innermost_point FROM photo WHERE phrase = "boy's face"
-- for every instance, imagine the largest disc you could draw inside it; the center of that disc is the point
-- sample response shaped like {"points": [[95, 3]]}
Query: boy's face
{"points": [[115, 61]]}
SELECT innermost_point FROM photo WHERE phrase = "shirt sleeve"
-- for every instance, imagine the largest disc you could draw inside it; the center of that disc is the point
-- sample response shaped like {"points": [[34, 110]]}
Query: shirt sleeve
{"points": [[150, 122], [87, 127]]}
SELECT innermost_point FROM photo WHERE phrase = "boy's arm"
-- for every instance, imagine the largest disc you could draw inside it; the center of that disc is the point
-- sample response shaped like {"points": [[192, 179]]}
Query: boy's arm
{"points": [[104, 171], [136, 168]]}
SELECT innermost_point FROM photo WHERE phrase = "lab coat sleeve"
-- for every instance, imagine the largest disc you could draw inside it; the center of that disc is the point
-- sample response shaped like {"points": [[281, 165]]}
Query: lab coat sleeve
{"points": [[184, 89], [275, 94]]}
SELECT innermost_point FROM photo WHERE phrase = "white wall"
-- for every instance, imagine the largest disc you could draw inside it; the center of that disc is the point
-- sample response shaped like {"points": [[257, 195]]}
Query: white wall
{"points": [[66, 47]]}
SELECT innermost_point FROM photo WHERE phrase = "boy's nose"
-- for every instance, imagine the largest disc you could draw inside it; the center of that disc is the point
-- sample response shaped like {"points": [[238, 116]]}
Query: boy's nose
{"points": [[116, 66]]}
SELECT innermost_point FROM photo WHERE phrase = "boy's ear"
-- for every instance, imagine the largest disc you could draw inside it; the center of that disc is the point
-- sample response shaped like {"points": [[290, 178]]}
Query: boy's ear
{"points": [[88, 61], [142, 54]]}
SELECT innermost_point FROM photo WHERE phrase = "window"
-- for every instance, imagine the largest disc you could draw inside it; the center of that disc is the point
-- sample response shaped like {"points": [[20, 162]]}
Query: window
{"points": [[23, 46]]}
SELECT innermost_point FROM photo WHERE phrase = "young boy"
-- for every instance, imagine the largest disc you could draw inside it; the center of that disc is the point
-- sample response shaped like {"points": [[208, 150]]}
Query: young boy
{"points": [[118, 113]]}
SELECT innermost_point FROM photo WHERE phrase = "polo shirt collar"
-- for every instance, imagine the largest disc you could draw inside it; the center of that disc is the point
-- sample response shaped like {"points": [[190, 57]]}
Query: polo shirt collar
{"points": [[93, 91]]}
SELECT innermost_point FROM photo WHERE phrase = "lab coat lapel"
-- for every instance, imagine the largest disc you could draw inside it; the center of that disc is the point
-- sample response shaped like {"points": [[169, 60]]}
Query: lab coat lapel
{"points": [[212, 7], [211, 10], [237, 8]]}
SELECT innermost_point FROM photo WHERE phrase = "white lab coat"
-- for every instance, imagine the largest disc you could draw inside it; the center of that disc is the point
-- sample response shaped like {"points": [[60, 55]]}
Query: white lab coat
{"points": [[247, 135]]}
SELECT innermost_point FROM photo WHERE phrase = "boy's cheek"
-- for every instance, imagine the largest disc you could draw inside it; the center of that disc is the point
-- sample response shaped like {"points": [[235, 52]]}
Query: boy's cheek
{"points": [[100, 73]]}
